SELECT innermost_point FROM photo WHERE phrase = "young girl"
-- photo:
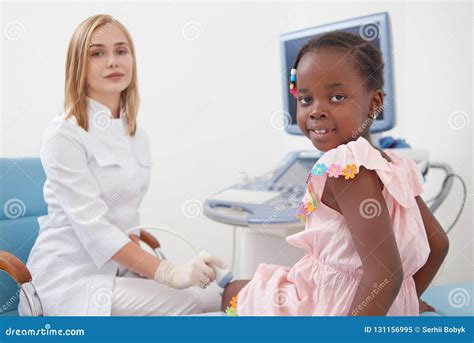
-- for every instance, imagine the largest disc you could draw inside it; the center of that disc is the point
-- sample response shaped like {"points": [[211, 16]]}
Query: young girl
{"points": [[372, 244]]}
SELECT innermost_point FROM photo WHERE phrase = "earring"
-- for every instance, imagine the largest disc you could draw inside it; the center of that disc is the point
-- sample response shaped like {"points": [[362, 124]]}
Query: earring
{"points": [[293, 82]]}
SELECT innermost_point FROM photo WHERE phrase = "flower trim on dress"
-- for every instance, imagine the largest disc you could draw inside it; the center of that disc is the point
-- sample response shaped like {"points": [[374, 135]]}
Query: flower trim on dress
{"points": [[349, 171], [334, 170], [319, 169], [306, 208], [231, 310]]}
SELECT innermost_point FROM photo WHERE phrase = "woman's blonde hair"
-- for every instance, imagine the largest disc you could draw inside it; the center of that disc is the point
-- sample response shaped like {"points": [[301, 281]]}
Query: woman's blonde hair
{"points": [[75, 91]]}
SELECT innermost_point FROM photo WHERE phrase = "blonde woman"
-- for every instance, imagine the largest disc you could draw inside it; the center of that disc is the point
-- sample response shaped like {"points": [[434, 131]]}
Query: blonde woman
{"points": [[97, 162]]}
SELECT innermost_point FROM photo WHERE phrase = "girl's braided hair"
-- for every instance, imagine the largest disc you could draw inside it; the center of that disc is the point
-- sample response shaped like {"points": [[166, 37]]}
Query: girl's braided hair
{"points": [[367, 59]]}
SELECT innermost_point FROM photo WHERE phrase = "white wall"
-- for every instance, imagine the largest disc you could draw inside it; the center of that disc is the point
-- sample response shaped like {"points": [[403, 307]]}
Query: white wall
{"points": [[208, 102]]}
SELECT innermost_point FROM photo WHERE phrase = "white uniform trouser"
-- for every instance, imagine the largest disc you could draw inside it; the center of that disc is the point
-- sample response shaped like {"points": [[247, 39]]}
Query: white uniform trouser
{"points": [[136, 296]]}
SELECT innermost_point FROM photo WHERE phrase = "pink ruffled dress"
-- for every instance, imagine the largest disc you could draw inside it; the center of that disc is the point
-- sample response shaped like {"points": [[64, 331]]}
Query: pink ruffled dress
{"points": [[325, 280]]}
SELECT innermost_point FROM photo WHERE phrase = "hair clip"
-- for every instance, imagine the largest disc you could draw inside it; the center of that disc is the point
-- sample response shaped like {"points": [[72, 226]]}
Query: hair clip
{"points": [[293, 82]]}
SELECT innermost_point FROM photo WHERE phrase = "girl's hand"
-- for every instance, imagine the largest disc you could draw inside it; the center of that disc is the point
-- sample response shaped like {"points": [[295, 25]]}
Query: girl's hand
{"points": [[425, 307]]}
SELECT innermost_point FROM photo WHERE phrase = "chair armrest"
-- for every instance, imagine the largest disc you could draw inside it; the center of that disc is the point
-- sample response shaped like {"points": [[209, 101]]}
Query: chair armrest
{"points": [[149, 239], [13, 266]]}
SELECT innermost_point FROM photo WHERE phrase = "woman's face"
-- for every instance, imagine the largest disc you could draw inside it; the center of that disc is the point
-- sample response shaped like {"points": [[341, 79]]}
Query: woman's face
{"points": [[110, 61], [333, 104]]}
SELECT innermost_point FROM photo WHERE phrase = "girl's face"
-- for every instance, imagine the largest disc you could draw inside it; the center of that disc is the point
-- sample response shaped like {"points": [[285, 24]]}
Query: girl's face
{"points": [[333, 104], [110, 61]]}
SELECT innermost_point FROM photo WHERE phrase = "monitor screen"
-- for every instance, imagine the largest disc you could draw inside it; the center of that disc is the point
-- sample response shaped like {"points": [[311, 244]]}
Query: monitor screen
{"points": [[372, 28], [297, 173]]}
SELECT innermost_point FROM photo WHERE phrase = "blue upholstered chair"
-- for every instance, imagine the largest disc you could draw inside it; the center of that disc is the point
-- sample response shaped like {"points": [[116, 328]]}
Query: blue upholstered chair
{"points": [[450, 300], [21, 203]]}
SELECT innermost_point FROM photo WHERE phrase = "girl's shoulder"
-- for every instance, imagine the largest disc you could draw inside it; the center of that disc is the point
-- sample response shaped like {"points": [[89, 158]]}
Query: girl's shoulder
{"points": [[346, 159], [399, 175]]}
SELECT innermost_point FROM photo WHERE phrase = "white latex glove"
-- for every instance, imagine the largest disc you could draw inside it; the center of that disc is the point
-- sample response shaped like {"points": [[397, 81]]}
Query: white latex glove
{"points": [[211, 260], [194, 273]]}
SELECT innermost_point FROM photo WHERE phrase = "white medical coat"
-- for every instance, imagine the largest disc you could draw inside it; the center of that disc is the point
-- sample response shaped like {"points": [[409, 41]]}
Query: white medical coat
{"points": [[95, 183]]}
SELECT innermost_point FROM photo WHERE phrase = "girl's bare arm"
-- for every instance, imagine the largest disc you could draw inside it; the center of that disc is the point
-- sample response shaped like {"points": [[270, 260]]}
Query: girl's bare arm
{"points": [[439, 245], [374, 240]]}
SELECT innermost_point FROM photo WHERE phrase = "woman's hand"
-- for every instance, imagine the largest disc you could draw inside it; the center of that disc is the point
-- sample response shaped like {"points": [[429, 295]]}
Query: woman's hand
{"points": [[425, 307], [194, 273]]}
